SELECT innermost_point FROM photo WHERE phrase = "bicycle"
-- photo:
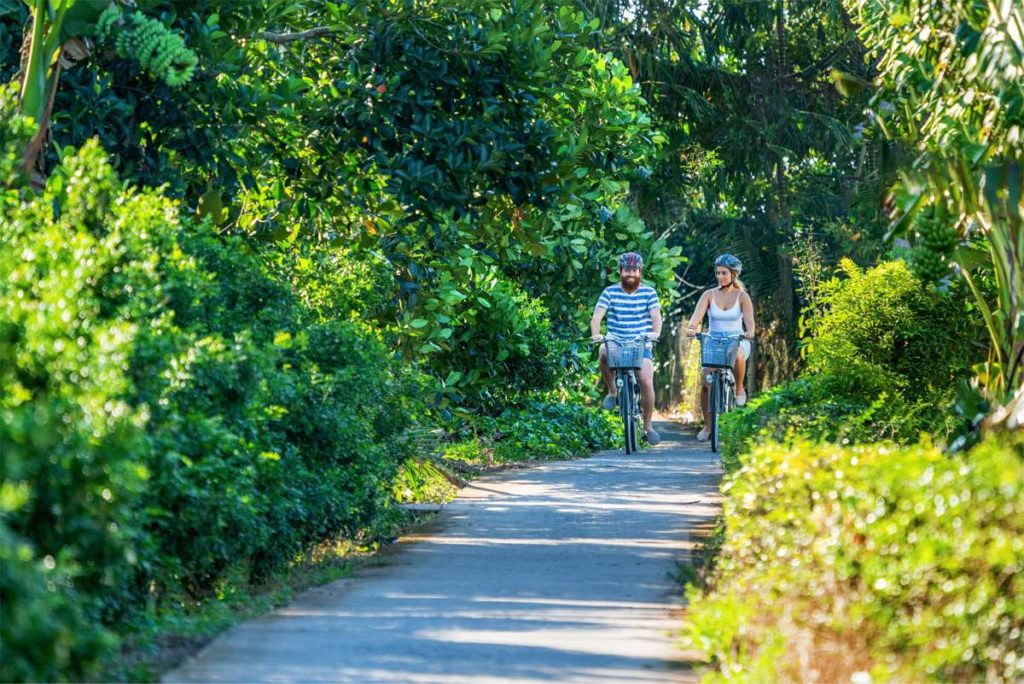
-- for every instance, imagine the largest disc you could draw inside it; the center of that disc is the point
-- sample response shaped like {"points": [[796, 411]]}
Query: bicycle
{"points": [[625, 358], [717, 353]]}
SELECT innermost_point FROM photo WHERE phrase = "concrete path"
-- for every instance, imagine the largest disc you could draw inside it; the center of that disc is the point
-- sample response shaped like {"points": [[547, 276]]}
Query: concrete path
{"points": [[559, 573]]}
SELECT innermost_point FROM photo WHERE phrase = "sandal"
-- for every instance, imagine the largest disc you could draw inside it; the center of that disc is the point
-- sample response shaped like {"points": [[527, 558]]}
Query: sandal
{"points": [[703, 435]]}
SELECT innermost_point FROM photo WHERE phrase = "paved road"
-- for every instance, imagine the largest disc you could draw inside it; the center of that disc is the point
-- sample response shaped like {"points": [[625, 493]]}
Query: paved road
{"points": [[561, 572]]}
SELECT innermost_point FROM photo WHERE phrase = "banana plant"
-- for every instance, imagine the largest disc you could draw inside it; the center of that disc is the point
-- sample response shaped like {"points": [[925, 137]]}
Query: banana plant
{"points": [[951, 83], [58, 27]]}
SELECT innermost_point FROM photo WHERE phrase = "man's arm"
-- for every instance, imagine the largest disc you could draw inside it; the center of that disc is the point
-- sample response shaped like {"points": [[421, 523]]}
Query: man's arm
{"points": [[656, 321], [595, 322]]}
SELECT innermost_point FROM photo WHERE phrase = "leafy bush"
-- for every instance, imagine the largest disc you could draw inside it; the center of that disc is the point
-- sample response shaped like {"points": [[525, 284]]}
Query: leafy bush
{"points": [[539, 428], [490, 342], [172, 417], [272, 432], [547, 429], [883, 329], [900, 562], [883, 353], [72, 446], [811, 408]]}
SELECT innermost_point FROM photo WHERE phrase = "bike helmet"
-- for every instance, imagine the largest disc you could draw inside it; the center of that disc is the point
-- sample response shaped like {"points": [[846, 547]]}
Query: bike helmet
{"points": [[730, 262], [631, 260]]}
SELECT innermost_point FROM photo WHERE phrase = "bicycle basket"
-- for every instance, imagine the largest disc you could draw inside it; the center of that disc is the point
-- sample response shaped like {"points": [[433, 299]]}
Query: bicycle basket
{"points": [[718, 352], [625, 355]]}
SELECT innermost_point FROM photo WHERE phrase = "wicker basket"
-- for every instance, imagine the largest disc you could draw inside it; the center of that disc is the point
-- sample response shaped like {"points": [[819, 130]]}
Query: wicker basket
{"points": [[625, 354], [718, 352]]}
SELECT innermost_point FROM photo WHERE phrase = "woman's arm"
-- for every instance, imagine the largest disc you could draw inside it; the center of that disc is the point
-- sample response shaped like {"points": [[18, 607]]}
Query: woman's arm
{"points": [[747, 307], [698, 314]]}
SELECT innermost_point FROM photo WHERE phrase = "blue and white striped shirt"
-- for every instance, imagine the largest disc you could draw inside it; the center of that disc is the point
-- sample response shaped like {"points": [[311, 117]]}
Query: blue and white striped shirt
{"points": [[629, 314]]}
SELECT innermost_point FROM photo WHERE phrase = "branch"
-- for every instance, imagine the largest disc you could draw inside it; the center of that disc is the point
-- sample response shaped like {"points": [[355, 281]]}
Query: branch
{"points": [[286, 38]]}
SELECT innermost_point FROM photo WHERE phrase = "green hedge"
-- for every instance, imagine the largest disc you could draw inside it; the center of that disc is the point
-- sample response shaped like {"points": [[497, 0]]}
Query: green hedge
{"points": [[539, 428], [173, 417], [883, 355], [901, 562]]}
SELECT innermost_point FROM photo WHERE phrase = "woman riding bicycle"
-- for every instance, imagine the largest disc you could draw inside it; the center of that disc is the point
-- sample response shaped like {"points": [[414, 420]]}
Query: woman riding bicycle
{"points": [[731, 312]]}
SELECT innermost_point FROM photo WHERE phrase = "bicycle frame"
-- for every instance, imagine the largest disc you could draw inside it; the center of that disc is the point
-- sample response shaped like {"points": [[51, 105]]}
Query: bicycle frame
{"points": [[721, 385], [628, 388]]}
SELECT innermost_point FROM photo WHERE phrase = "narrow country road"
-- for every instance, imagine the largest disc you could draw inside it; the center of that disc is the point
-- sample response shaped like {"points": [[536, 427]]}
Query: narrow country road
{"points": [[563, 573]]}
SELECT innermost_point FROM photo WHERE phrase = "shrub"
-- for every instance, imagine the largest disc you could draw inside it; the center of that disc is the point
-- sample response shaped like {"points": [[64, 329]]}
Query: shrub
{"points": [[172, 417], [490, 343], [72, 263], [883, 329], [810, 407], [898, 561], [883, 352], [272, 431], [538, 427]]}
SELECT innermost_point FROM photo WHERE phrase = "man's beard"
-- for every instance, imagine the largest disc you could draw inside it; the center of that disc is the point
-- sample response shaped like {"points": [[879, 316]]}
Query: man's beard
{"points": [[629, 283]]}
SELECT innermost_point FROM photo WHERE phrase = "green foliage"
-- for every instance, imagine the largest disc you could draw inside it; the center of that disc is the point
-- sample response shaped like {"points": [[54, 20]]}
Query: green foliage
{"points": [[884, 330], [897, 561], [172, 418], [883, 355], [537, 428], [488, 340], [15, 132], [816, 407], [69, 439], [951, 86]]}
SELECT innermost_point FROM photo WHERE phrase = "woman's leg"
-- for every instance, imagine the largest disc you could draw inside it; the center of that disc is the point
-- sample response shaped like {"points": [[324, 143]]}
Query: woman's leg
{"points": [[739, 370], [704, 396]]}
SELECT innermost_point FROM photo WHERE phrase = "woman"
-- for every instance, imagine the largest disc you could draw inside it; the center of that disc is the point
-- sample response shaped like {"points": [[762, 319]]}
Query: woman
{"points": [[730, 311]]}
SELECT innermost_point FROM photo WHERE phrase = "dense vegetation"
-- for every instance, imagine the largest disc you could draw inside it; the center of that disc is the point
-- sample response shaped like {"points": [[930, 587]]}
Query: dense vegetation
{"points": [[873, 517], [266, 268]]}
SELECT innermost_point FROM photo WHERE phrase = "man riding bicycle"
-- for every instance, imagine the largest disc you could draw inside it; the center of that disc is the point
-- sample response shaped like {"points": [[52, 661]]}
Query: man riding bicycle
{"points": [[633, 309]]}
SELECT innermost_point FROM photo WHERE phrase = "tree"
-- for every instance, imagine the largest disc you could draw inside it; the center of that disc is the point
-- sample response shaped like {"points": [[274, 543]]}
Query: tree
{"points": [[951, 85], [764, 155]]}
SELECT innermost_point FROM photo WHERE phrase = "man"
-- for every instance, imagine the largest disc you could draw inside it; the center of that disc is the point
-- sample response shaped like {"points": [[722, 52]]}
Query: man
{"points": [[632, 309]]}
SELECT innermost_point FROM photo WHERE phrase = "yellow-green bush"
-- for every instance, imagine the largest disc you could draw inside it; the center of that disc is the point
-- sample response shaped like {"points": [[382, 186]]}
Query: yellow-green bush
{"points": [[897, 561], [883, 353]]}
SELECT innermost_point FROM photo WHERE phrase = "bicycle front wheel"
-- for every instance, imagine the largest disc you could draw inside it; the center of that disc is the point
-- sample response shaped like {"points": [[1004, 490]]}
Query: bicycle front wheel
{"points": [[626, 410], [634, 410], [715, 409]]}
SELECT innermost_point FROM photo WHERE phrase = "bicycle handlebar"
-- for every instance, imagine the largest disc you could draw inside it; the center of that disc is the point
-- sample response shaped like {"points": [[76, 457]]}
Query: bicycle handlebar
{"points": [[624, 340], [702, 335]]}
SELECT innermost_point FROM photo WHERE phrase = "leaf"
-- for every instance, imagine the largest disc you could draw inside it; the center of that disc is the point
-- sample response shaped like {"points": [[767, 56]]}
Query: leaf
{"points": [[418, 323]]}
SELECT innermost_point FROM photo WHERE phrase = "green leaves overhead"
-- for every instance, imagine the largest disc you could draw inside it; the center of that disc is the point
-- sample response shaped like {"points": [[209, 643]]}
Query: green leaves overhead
{"points": [[951, 87]]}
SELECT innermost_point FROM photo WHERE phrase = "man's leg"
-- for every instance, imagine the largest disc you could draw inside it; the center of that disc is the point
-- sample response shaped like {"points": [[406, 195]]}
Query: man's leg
{"points": [[609, 379], [647, 392]]}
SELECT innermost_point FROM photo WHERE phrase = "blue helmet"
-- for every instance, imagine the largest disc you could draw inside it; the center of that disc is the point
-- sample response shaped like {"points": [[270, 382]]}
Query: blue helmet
{"points": [[631, 260], [730, 262]]}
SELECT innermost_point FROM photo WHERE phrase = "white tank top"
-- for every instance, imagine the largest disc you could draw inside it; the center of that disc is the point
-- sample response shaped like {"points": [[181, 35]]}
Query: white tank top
{"points": [[725, 321]]}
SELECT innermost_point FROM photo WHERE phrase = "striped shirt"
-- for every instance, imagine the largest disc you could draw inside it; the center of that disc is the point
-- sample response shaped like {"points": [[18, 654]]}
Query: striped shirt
{"points": [[629, 314]]}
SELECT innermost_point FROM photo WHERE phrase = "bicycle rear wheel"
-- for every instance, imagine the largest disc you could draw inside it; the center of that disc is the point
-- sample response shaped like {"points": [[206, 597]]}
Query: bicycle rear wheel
{"points": [[715, 409]]}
